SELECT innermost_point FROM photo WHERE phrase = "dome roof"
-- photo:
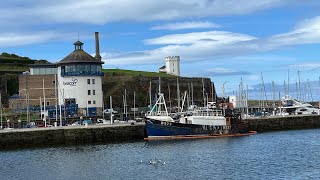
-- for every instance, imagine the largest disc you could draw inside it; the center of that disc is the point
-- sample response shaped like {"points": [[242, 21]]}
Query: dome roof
{"points": [[79, 56]]}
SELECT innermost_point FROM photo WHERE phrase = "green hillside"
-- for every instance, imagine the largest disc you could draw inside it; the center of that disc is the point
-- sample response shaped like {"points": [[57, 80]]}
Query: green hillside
{"points": [[13, 62], [132, 73]]}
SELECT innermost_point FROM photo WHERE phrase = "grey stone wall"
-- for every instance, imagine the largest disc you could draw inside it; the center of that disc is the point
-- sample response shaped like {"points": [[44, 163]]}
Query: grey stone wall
{"points": [[283, 123], [73, 135]]}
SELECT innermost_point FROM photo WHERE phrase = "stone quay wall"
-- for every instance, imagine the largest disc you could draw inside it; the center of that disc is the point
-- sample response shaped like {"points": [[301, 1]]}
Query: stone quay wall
{"points": [[282, 123], [17, 138]]}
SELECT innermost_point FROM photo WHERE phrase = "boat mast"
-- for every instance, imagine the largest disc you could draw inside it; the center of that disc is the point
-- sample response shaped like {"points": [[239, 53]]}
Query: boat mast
{"points": [[183, 101], [111, 116], [204, 99], [189, 95], [273, 95], [44, 104], [299, 86], [169, 97], [160, 101], [310, 91], [150, 99], [134, 105], [212, 94], [1, 110], [55, 94], [178, 94], [288, 82], [192, 92], [247, 104], [125, 102], [102, 106]]}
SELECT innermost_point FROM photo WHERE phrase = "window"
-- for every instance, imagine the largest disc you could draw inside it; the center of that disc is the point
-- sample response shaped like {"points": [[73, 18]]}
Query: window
{"points": [[89, 92], [172, 70], [89, 102], [88, 81], [36, 71], [53, 82], [93, 92], [94, 102], [93, 81], [172, 64], [48, 103]]}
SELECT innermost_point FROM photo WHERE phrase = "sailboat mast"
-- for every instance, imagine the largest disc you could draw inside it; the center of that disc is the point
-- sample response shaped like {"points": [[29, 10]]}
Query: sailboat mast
{"points": [[1, 110], [55, 94], [178, 94], [273, 95], [102, 106], [111, 116], [149, 95], [310, 91], [134, 104], [299, 86], [288, 82], [192, 92], [169, 97], [204, 99], [44, 101]]}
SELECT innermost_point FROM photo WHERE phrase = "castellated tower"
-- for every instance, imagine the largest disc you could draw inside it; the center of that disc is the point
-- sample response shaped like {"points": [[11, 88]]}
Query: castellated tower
{"points": [[173, 65]]}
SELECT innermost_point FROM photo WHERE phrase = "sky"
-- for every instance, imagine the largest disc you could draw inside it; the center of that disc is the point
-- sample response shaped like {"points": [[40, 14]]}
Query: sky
{"points": [[229, 41]]}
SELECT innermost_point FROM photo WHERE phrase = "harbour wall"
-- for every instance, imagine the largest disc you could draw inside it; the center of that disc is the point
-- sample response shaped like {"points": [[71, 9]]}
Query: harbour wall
{"points": [[282, 123], [16, 138]]}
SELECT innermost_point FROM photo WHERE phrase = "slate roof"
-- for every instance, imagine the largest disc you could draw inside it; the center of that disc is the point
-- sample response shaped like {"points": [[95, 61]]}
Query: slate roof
{"points": [[79, 56]]}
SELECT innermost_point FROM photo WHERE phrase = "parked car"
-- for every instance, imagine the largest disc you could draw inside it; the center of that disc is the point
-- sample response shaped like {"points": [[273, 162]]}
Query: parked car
{"points": [[30, 125], [108, 111], [77, 123], [87, 121]]}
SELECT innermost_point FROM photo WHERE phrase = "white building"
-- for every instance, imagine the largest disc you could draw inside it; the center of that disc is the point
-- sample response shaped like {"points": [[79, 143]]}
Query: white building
{"points": [[172, 65], [237, 102], [79, 81]]}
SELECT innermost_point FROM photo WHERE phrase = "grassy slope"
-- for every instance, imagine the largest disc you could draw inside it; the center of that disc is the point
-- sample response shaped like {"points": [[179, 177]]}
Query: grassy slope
{"points": [[121, 72], [6, 67], [13, 66]]}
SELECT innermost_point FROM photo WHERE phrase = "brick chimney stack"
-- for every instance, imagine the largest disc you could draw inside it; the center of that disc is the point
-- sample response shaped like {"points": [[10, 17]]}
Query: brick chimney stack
{"points": [[97, 56]]}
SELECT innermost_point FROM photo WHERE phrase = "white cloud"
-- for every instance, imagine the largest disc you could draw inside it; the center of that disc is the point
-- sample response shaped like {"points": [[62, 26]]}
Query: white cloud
{"points": [[190, 47], [18, 39], [306, 32], [186, 25], [218, 71], [214, 45], [104, 11], [306, 66], [208, 37]]}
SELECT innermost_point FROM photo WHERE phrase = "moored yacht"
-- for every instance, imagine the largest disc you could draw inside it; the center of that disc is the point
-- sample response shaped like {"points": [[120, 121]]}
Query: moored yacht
{"points": [[294, 107]]}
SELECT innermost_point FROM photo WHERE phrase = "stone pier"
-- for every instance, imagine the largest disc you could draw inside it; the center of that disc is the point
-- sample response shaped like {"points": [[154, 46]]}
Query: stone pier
{"points": [[272, 123], [15, 138]]}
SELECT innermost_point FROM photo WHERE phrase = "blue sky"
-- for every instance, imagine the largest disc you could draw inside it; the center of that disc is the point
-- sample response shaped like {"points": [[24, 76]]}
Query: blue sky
{"points": [[225, 40]]}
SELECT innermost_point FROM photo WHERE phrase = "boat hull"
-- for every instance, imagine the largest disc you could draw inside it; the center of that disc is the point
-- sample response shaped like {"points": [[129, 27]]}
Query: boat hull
{"points": [[156, 128]]}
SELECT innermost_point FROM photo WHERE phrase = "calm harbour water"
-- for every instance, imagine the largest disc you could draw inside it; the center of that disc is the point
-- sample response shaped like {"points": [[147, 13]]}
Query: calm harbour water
{"points": [[272, 155]]}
